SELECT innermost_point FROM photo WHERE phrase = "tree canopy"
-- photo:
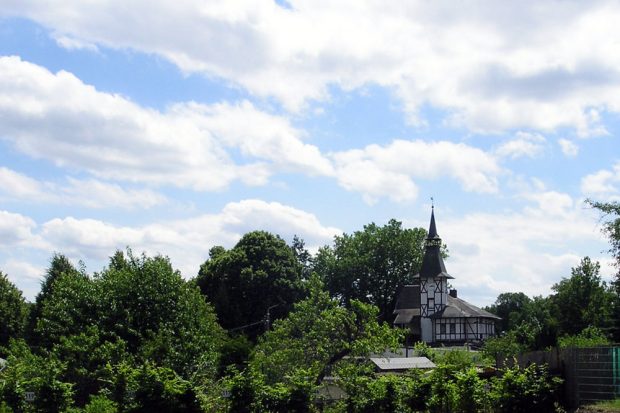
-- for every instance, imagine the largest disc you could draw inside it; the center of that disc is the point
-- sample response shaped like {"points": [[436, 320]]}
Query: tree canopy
{"points": [[260, 274], [59, 266], [13, 310], [611, 228], [370, 265], [317, 334], [583, 300]]}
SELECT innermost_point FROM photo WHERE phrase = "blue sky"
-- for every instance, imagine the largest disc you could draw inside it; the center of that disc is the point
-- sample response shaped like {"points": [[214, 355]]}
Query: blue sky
{"points": [[173, 127]]}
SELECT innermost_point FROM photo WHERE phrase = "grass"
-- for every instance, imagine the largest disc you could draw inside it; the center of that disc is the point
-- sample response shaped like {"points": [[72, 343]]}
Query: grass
{"points": [[606, 406]]}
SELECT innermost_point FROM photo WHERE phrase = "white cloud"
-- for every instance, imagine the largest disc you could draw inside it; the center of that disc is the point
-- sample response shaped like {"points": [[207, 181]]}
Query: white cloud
{"points": [[569, 148], [90, 193], [257, 135], [93, 193], [74, 44], [15, 229], [527, 250], [603, 185], [17, 185], [492, 65], [390, 170], [187, 241], [25, 276], [524, 144], [57, 117]]}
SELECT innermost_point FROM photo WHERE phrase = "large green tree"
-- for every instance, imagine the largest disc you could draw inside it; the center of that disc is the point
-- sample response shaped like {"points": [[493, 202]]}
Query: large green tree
{"points": [[259, 275], [66, 309], [13, 310], [59, 266], [512, 308], [370, 265], [138, 310], [290, 361], [611, 228], [583, 300], [317, 334], [160, 316]]}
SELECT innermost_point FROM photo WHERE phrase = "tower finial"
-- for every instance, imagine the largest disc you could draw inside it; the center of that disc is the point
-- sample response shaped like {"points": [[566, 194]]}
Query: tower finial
{"points": [[432, 203]]}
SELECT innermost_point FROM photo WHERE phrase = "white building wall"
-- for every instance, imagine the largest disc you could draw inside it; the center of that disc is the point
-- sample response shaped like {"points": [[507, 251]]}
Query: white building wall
{"points": [[426, 327], [465, 329]]}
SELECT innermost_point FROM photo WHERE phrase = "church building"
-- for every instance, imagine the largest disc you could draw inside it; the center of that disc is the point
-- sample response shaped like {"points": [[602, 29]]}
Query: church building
{"points": [[431, 312]]}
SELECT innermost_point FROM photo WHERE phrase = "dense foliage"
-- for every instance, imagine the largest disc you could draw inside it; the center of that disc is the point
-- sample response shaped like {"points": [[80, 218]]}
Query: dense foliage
{"points": [[259, 275], [580, 311], [611, 228], [135, 327], [13, 310], [370, 265], [451, 388], [138, 337]]}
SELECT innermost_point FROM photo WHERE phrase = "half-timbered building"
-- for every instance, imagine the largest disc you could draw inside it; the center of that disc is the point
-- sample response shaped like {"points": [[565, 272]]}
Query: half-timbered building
{"points": [[435, 314]]}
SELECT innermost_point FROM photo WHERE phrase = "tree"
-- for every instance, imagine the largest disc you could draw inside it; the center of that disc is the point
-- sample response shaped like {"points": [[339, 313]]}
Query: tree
{"points": [[66, 309], [370, 265], [611, 228], [530, 321], [161, 317], [582, 300], [86, 357], [139, 300], [512, 308], [59, 265], [13, 310], [258, 276], [303, 256], [39, 374], [316, 335], [290, 361]]}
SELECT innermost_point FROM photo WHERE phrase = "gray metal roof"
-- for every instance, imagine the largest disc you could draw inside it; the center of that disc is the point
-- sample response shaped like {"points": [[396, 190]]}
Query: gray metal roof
{"points": [[402, 363], [462, 309]]}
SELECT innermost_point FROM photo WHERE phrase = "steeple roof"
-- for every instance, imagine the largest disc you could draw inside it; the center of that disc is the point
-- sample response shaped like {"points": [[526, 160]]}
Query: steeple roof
{"points": [[432, 230], [432, 263]]}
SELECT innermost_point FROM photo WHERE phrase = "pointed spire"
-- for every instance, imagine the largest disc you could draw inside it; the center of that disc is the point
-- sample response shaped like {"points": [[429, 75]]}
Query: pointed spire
{"points": [[432, 230], [432, 262]]}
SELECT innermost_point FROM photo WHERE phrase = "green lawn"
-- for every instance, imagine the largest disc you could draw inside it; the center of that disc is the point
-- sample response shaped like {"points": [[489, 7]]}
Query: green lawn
{"points": [[606, 406]]}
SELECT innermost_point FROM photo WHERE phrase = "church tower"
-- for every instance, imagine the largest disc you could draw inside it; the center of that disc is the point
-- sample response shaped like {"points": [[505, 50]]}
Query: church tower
{"points": [[433, 314], [433, 279]]}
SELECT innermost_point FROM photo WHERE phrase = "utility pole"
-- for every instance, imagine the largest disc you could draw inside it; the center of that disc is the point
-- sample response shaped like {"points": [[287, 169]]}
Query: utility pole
{"points": [[268, 317]]}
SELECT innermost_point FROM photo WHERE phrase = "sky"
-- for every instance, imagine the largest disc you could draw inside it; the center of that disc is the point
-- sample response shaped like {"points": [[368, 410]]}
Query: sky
{"points": [[172, 127]]}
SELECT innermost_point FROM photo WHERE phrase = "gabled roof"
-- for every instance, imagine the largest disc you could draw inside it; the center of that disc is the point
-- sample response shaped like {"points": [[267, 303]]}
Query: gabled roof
{"points": [[457, 308], [407, 304], [409, 297]]}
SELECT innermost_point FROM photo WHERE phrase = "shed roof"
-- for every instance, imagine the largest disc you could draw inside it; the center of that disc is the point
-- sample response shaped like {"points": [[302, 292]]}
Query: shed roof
{"points": [[402, 363]]}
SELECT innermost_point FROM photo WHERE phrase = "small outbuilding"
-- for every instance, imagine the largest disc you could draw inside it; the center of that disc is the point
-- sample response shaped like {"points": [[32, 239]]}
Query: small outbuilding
{"points": [[401, 364]]}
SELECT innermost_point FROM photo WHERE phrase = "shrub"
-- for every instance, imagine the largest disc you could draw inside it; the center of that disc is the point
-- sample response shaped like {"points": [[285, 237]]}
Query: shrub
{"points": [[531, 389]]}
